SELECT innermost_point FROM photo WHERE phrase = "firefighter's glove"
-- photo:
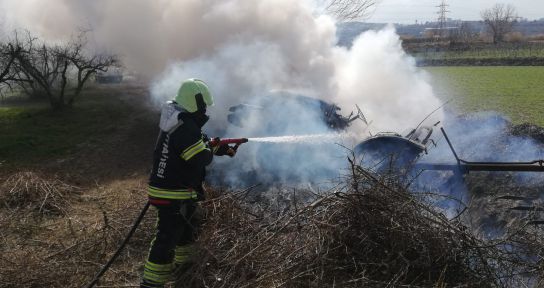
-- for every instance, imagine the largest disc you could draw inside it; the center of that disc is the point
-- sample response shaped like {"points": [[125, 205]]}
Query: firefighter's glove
{"points": [[205, 138], [222, 149], [225, 149]]}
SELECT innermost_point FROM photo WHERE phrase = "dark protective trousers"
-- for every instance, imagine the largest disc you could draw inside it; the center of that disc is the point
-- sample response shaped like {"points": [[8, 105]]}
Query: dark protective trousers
{"points": [[177, 225]]}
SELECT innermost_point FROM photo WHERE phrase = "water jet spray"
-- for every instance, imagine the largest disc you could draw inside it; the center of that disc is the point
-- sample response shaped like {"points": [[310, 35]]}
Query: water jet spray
{"points": [[310, 138]]}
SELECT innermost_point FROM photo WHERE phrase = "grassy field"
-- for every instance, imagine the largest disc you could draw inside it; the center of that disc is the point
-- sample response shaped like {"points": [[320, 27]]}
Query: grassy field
{"points": [[30, 134], [34, 134], [484, 54], [517, 92], [475, 51]]}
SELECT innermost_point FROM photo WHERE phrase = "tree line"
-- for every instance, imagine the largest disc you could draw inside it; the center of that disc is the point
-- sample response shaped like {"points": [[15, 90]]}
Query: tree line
{"points": [[57, 72]]}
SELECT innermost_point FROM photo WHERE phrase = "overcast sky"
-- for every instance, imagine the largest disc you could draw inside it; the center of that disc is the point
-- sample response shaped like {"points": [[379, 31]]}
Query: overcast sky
{"points": [[408, 11]]}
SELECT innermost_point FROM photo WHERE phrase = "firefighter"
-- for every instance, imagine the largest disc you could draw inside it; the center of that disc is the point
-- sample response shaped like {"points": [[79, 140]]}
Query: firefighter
{"points": [[181, 154]]}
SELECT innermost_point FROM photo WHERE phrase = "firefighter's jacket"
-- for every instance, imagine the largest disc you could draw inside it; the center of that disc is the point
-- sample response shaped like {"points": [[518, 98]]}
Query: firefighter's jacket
{"points": [[180, 157]]}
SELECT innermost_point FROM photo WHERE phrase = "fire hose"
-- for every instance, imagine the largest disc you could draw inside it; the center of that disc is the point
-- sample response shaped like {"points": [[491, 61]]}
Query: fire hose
{"points": [[123, 244], [214, 143]]}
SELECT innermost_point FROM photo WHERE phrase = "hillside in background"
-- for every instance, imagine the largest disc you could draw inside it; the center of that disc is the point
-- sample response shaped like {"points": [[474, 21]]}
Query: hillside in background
{"points": [[349, 30]]}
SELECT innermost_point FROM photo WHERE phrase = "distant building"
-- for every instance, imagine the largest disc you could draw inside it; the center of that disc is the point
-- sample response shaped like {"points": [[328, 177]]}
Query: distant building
{"points": [[347, 31], [445, 32]]}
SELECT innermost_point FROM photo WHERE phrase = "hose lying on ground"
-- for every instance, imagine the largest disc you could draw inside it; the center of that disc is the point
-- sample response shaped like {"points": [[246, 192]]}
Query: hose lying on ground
{"points": [[118, 252]]}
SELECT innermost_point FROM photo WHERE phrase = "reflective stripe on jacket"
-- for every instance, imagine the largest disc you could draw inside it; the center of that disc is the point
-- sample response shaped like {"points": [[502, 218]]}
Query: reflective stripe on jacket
{"points": [[174, 194]]}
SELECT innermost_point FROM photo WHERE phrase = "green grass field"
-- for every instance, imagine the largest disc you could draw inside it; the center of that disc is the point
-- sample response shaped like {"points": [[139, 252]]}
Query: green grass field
{"points": [[484, 54], [33, 133], [516, 92], [477, 51]]}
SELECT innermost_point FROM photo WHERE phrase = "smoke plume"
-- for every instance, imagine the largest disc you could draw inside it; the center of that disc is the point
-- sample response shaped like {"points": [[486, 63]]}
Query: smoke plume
{"points": [[244, 49]]}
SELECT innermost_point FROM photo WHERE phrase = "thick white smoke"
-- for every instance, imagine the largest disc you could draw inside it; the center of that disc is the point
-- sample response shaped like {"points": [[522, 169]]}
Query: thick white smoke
{"points": [[243, 48], [378, 75]]}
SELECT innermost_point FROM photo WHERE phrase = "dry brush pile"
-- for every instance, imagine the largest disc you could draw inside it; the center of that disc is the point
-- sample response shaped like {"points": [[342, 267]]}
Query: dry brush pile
{"points": [[33, 192], [369, 233], [56, 235]]}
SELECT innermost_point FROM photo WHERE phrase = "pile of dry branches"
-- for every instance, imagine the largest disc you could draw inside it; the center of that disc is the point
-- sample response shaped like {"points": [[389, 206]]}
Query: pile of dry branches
{"points": [[370, 232], [31, 191], [66, 250]]}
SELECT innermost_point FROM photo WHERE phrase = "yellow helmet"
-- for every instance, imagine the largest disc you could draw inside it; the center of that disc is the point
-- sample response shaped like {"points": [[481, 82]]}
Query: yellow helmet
{"points": [[193, 94]]}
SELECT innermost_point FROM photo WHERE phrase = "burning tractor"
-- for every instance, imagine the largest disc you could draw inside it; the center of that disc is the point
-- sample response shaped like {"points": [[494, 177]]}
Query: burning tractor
{"points": [[406, 151], [284, 113], [400, 150], [280, 114], [455, 190]]}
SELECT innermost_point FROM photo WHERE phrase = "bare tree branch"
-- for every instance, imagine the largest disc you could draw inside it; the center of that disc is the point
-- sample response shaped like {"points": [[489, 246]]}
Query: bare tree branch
{"points": [[7, 57], [87, 66], [39, 64], [345, 10]]}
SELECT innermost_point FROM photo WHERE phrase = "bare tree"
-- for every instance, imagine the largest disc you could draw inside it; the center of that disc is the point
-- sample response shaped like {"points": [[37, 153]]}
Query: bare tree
{"points": [[500, 19], [52, 70], [87, 65], [42, 67], [345, 10], [19, 75]]}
